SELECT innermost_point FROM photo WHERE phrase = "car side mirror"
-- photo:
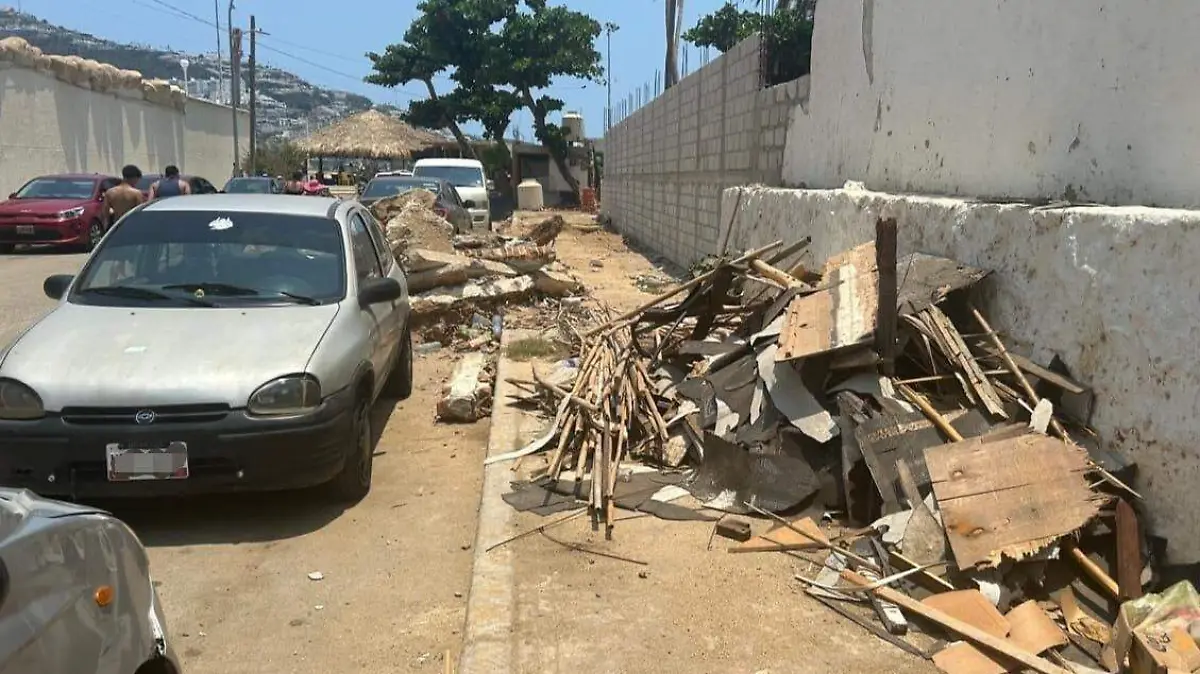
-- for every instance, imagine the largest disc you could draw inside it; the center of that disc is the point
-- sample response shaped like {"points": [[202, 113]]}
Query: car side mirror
{"points": [[56, 286], [491, 185], [469, 203], [13, 195], [378, 291]]}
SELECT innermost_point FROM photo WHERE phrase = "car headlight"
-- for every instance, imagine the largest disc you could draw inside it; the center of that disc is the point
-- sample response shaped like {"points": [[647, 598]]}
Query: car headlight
{"points": [[290, 395], [70, 213], [18, 401]]}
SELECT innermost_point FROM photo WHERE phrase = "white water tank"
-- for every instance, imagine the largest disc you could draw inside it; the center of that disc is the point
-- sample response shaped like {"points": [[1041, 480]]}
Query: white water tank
{"points": [[573, 127], [529, 195]]}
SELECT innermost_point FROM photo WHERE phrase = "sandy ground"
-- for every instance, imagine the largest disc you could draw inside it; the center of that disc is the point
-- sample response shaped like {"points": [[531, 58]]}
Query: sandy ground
{"points": [[688, 608]]}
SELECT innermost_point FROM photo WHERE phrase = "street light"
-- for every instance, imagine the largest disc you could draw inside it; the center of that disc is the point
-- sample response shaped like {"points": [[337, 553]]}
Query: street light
{"points": [[184, 63]]}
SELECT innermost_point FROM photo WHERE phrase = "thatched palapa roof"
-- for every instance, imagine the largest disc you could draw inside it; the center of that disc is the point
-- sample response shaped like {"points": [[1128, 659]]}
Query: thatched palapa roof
{"points": [[370, 135]]}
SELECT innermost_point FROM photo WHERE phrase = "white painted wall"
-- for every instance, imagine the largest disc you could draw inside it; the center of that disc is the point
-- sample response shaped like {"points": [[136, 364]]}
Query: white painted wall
{"points": [[1115, 292], [1092, 100], [51, 126]]}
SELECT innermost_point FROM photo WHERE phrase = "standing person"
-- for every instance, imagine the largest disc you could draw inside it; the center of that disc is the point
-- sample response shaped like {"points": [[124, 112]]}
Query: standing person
{"points": [[171, 185], [295, 185], [122, 198]]}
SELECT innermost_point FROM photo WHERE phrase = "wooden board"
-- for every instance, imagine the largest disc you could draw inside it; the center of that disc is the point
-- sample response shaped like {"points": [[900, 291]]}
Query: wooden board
{"points": [[782, 538], [1032, 629], [1129, 552], [1009, 497], [963, 658]]}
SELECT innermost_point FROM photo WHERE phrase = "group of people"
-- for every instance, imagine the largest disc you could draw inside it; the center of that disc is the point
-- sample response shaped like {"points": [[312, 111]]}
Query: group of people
{"points": [[126, 196]]}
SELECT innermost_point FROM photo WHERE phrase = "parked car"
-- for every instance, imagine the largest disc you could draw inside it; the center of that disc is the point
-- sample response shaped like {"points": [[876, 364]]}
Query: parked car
{"points": [[253, 185], [77, 592], [211, 343], [468, 178], [199, 185], [64, 210], [449, 204], [401, 172]]}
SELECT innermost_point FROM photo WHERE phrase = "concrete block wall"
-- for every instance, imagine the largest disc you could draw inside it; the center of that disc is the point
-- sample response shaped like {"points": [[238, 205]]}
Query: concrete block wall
{"points": [[667, 164], [1111, 290]]}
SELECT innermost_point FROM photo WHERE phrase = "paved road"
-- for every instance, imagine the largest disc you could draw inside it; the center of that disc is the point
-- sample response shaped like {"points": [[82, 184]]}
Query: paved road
{"points": [[21, 297], [233, 572]]}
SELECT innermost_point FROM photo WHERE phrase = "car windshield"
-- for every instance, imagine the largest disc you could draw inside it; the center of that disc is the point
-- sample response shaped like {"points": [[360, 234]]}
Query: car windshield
{"points": [[58, 188], [173, 258], [248, 186], [462, 176], [390, 187]]}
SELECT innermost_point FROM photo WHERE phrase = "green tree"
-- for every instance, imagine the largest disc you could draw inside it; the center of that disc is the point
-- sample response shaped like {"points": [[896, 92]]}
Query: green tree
{"points": [[724, 28], [501, 54], [276, 157]]}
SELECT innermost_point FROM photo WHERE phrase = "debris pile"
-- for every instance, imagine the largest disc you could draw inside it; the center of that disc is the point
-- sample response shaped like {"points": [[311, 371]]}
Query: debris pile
{"points": [[410, 222], [972, 495]]}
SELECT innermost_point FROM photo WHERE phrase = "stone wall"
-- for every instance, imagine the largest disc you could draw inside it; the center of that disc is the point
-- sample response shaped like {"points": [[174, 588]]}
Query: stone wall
{"points": [[1112, 291], [66, 114], [667, 164]]}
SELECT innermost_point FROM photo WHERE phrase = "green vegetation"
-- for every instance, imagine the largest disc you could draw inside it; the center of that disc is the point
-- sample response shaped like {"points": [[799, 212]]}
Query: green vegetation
{"points": [[530, 348], [500, 55], [786, 33]]}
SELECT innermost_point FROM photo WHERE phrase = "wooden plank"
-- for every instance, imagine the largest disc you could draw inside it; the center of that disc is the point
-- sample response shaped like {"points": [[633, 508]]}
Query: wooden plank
{"points": [[1009, 497], [886, 316], [963, 658], [782, 538], [976, 635], [842, 314], [1129, 552], [1045, 374], [955, 349]]}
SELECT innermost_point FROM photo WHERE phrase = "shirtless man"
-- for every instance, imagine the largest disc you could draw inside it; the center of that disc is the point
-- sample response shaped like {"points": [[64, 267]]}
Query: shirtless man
{"points": [[170, 185], [122, 198]]}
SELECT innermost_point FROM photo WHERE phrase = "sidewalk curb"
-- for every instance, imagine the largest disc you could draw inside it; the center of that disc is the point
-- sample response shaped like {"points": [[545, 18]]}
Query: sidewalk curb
{"points": [[487, 635]]}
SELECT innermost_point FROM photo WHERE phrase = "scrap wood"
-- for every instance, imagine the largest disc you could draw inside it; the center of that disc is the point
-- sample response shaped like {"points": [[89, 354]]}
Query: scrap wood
{"points": [[1129, 551], [975, 634], [668, 294], [1094, 572], [950, 342], [785, 538], [1032, 629], [870, 626], [791, 397], [887, 306], [1030, 395], [1009, 497], [1079, 621], [820, 541], [924, 539]]}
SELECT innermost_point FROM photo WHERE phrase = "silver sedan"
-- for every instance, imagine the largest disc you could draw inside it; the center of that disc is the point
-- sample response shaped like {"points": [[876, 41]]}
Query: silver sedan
{"points": [[211, 343]]}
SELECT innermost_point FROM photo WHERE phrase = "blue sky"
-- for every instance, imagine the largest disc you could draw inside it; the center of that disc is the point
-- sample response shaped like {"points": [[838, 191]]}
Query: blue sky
{"points": [[333, 36]]}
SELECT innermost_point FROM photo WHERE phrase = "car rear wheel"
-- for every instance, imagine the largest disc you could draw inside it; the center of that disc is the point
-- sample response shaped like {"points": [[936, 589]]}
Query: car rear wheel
{"points": [[354, 482], [400, 381]]}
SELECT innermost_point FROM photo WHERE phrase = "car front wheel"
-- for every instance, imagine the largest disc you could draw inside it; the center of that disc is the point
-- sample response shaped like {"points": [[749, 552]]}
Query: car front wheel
{"points": [[400, 382], [95, 233], [354, 482]]}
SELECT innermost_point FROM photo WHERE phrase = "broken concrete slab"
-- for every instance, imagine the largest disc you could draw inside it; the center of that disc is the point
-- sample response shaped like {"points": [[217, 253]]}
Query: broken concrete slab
{"points": [[443, 299], [467, 397]]}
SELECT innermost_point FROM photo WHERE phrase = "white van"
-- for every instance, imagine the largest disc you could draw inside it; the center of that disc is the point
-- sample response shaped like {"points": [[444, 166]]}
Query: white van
{"points": [[468, 179]]}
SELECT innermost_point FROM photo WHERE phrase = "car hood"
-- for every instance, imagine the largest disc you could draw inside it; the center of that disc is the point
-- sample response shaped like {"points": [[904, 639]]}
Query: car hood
{"points": [[40, 206], [477, 194], [82, 355]]}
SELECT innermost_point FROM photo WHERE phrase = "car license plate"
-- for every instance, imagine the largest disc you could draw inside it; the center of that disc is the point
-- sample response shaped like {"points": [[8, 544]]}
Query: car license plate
{"points": [[127, 463], [25, 230]]}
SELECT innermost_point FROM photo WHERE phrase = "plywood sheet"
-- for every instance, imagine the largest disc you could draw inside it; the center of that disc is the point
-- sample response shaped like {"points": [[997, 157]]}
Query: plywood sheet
{"points": [[971, 607], [963, 658], [1009, 497], [1033, 630]]}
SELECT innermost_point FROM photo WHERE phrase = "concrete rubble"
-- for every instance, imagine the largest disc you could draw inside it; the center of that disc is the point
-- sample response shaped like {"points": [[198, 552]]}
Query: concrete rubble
{"points": [[871, 396]]}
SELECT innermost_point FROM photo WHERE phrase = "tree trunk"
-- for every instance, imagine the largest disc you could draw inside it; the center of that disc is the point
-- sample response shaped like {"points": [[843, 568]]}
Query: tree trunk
{"points": [[671, 72], [539, 130], [463, 144]]}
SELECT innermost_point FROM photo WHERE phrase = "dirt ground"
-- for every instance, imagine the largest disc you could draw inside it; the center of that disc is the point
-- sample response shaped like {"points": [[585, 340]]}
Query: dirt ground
{"points": [[688, 608], [233, 572]]}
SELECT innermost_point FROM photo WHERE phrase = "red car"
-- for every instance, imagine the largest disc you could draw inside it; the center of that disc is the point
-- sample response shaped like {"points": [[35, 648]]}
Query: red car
{"points": [[60, 210]]}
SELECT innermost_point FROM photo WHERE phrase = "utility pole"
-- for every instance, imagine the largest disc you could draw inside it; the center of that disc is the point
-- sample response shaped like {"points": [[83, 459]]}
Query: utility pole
{"points": [[220, 66], [253, 99], [235, 73], [609, 28]]}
